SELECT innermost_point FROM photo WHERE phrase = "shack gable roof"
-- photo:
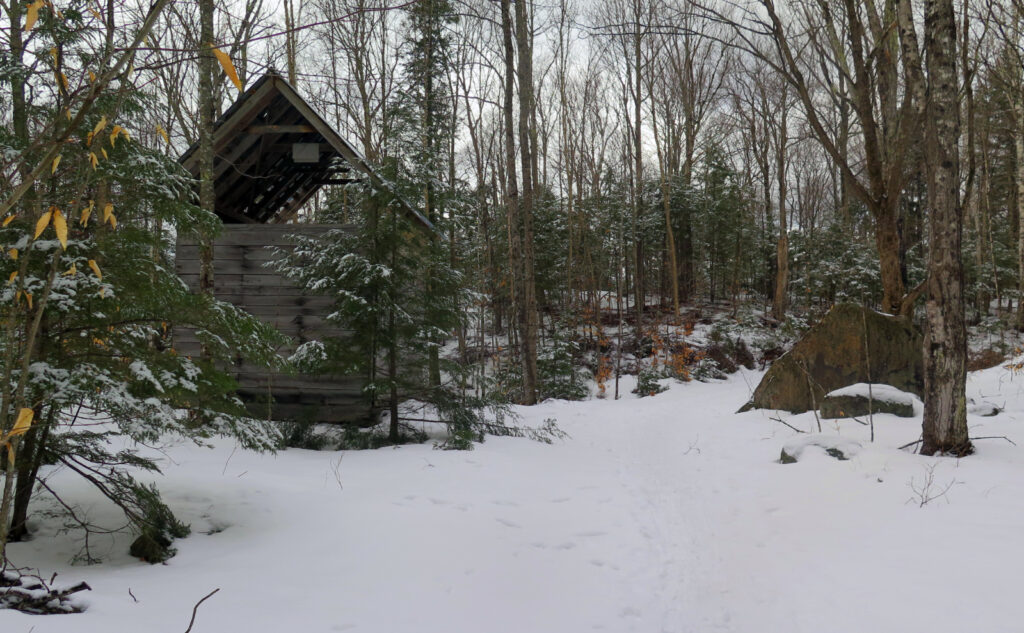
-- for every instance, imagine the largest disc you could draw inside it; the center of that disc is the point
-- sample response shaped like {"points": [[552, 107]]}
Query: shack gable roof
{"points": [[272, 152]]}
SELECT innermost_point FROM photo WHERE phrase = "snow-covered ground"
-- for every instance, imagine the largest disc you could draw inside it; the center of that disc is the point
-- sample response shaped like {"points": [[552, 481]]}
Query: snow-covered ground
{"points": [[663, 514]]}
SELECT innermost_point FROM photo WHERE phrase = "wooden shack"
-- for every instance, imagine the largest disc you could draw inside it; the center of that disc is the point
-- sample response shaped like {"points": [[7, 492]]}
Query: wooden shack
{"points": [[272, 152]]}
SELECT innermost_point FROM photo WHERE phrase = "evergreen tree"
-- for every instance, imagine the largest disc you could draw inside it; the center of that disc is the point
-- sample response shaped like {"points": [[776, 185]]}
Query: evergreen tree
{"points": [[92, 299]]}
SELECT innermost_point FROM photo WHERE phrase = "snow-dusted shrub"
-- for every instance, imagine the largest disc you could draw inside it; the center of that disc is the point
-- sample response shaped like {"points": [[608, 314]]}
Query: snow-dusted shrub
{"points": [[87, 352]]}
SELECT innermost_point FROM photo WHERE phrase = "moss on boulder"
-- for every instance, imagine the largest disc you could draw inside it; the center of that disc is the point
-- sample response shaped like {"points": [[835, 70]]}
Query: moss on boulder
{"points": [[832, 355]]}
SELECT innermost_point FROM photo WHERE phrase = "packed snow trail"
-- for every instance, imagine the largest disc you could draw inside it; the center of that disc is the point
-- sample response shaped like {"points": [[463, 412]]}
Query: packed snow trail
{"points": [[666, 514]]}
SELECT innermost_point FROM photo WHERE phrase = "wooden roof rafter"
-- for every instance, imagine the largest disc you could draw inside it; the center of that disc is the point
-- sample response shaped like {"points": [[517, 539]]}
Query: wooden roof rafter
{"points": [[256, 179]]}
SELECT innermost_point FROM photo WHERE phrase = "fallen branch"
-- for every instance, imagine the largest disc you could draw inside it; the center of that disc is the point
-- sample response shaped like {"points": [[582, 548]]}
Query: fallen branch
{"points": [[196, 608], [993, 437], [30, 594], [780, 420], [972, 439]]}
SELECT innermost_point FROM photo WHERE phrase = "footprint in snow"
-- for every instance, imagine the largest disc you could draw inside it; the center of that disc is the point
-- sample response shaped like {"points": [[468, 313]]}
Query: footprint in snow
{"points": [[507, 523], [590, 534]]}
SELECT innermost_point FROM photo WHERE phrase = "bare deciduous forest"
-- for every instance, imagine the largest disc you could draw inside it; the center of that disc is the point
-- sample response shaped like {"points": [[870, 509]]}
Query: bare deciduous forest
{"points": [[520, 204]]}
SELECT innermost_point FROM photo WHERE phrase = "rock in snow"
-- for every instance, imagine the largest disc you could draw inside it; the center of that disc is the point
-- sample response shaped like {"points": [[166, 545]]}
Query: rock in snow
{"points": [[832, 355], [833, 445], [860, 399]]}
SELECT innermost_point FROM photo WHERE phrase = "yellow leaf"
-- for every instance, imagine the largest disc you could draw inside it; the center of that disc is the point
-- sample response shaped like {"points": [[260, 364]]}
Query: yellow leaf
{"points": [[42, 223], [67, 113], [13, 253], [23, 423], [126, 135], [53, 54], [98, 342], [113, 134], [229, 68], [104, 152], [8, 219], [11, 279], [21, 427], [32, 14], [162, 132], [56, 161], [71, 271], [113, 221], [103, 292], [107, 210], [92, 77], [60, 225], [99, 126], [95, 269], [92, 159], [28, 297], [96, 14], [85, 213], [64, 81]]}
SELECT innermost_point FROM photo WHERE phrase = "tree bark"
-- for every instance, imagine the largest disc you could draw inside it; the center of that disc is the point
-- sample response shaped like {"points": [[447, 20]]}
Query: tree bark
{"points": [[1018, 147], [782, 245], [207, 198], [945, 353], [528, 158]]}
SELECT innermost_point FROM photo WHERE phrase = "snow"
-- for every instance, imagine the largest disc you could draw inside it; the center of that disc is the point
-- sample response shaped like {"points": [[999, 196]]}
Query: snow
{"points": [[880, 392], [797, 446], [669, 513]]}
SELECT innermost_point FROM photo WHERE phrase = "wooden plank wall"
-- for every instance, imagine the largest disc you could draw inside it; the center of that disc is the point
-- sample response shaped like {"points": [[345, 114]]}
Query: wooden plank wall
{"points": [[241, 277]]}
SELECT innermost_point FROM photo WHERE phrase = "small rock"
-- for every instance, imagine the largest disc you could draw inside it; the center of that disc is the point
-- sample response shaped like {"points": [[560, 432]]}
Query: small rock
{"points": [[984, 409], [150, 549], [833, 446]]}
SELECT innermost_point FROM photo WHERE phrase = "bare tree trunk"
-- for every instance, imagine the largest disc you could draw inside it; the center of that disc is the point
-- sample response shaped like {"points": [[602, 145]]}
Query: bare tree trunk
{"points": [[782, 245], [207, 196], [289, 40], [1018, 147], [945, 353], [638, 157], [528, 157], [666, 204]]}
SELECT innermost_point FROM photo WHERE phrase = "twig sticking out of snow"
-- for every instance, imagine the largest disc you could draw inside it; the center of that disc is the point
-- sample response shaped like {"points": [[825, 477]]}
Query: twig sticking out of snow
{"points": [[196, 608], [926, 492]]}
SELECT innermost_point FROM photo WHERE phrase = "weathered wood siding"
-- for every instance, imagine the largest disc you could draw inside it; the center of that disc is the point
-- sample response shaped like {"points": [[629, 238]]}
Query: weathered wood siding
{"points": [[241, 277]]}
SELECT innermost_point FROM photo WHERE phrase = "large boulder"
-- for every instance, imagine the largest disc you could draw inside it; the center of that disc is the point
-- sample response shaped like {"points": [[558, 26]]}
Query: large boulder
{"points": [[832, 355]]}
